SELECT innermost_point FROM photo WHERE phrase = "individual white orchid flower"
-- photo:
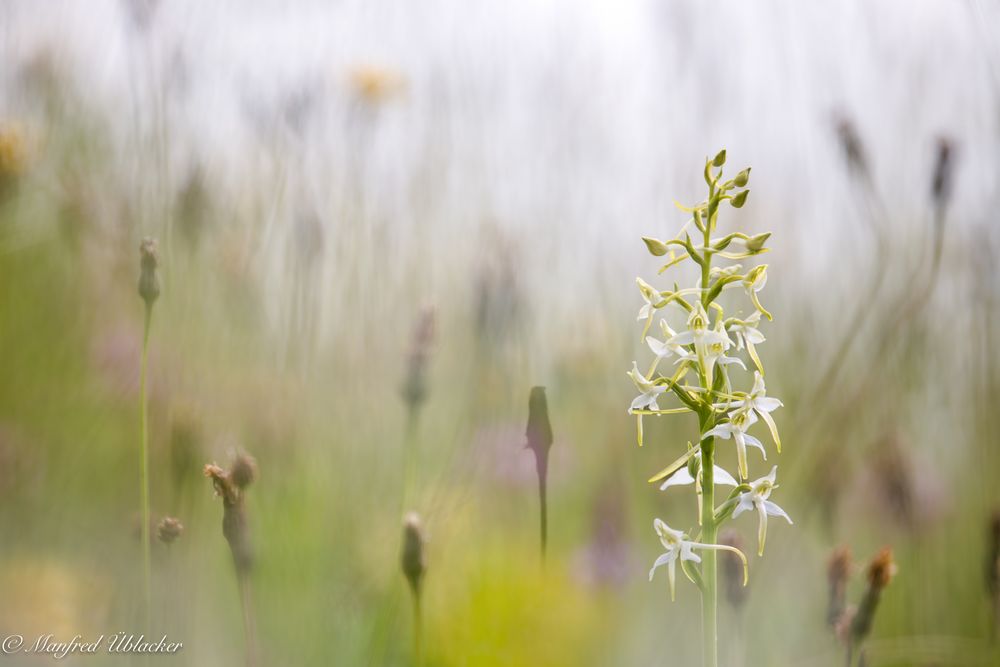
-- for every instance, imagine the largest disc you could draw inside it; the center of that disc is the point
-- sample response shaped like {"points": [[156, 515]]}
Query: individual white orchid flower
{"points": [[701, 337], [649, 393], [715, 352], [753, 283], [763, 405], [736, 428], [653, 300], [677, 547], [757, 499], [748, 335], [663, 349]]}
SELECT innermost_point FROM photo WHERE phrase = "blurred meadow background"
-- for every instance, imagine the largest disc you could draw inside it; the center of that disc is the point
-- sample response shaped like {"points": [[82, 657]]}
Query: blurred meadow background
{"points": [[381, 223]]}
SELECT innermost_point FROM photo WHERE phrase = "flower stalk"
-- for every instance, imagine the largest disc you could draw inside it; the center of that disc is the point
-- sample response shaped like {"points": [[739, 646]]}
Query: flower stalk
{"points": [[149, 291], [231, 485], [702, 384], [414, 566], [539, 436]]}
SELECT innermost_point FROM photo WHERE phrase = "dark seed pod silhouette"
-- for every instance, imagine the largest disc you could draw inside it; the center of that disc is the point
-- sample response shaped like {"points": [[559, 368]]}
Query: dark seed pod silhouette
{"points": [[539, 435]]}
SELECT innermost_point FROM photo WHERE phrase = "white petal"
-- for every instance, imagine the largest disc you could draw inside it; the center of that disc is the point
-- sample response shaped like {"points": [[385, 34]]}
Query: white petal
{"points": [[732, 360], [688, 554], [662, 560], [723, 431], [723, 477], [774, 510], [754, 442], [683, 338], [744, 505], [773, 475], [679, 478], [766, 404], [658, 347], [641, 401]]}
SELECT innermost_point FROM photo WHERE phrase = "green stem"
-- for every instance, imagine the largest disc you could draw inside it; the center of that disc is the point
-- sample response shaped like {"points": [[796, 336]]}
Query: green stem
{"points": [[709, 535], [417, 628], [144, 472], [710, 528]]}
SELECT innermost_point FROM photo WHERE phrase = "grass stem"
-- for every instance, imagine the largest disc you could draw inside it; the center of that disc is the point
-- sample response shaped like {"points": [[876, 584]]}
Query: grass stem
{"points": [[144, 472]]}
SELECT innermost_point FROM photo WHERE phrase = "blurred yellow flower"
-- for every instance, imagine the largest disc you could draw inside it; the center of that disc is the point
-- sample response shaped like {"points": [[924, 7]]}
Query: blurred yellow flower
{"points": [[374, 84]]}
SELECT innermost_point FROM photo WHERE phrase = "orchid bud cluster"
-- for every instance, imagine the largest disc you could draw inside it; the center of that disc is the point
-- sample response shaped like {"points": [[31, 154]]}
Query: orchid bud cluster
{"points": [[702, 379]]}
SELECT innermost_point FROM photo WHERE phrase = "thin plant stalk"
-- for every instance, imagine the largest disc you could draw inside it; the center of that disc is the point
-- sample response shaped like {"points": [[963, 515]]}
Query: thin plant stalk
{"points": [[144, 471], [149, 291], [543, 514], [709, 569], [710, 528], [417, 628], [249, 619], [414, 566]]}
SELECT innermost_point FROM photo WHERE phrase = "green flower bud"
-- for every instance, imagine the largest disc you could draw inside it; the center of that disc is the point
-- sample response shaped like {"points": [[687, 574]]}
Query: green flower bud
{"points": [[656, 247], [742, 178], [740, 199], [756, 243], [720, 158], [694, 465]]}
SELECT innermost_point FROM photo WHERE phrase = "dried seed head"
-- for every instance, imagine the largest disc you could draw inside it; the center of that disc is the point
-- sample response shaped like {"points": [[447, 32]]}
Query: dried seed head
{"points": [[732, 570], [149, 281], [224, 487], [169, 529], [837, 573], [880, 573], [235, 527], [412, 556], [881, 570], [243, 472]]}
